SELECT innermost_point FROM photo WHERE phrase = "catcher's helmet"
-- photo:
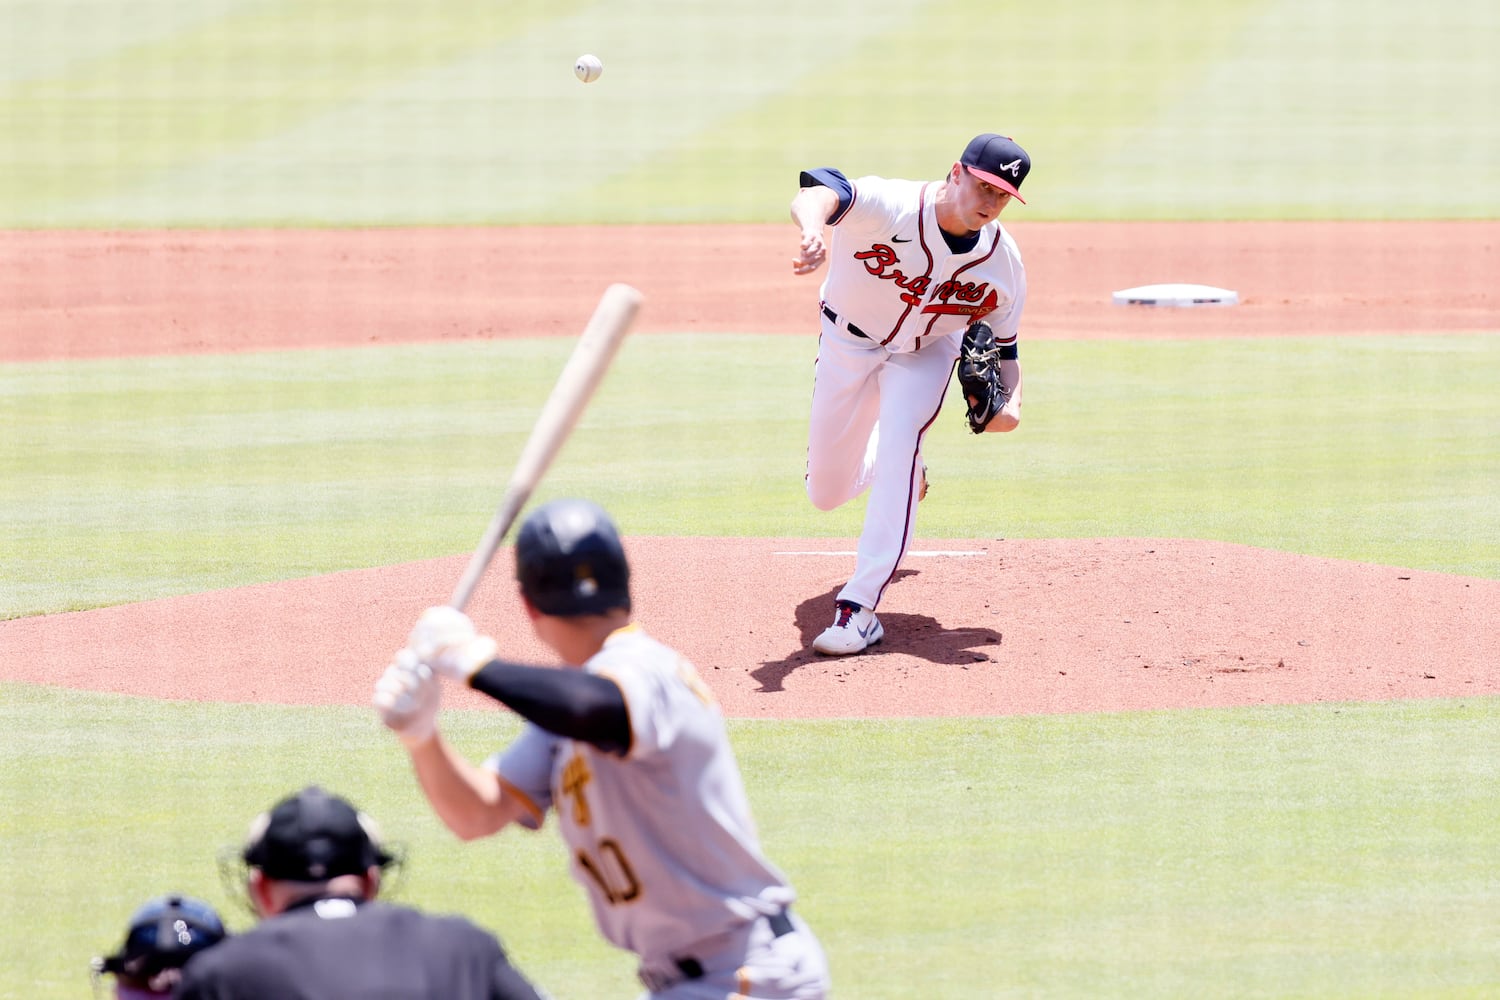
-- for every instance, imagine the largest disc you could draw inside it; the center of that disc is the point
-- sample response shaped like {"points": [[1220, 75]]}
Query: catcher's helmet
{"points": [[164, 933], [569, 560]]}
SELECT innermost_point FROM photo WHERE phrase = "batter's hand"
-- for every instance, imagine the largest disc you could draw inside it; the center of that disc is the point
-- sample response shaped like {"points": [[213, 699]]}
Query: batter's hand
{"points": [[445, 640], [407, 697], [811, 255]]}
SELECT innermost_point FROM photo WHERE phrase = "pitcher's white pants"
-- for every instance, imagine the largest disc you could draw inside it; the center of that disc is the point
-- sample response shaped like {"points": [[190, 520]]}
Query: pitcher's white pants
{"points": [[870, 411]]}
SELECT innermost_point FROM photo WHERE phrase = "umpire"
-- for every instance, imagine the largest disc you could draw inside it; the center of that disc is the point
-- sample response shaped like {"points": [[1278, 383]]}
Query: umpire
{"points": [[314, 866]]}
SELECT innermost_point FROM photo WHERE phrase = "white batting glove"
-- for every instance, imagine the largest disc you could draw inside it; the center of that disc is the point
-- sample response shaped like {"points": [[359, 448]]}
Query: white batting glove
{"points": [[445, 640], [407, 697]]}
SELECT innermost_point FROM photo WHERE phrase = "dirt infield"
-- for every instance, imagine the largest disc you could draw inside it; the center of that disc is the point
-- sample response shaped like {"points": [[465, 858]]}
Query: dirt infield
{"points": [[86, 294], [974, 627]]}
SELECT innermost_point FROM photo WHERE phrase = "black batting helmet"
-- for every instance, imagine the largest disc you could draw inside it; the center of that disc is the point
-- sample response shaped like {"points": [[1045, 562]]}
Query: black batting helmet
{"points": [[569, 560]]}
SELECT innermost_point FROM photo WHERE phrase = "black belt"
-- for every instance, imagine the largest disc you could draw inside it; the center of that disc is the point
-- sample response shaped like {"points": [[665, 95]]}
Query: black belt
{"points": [[781, 925], [833, 318]]}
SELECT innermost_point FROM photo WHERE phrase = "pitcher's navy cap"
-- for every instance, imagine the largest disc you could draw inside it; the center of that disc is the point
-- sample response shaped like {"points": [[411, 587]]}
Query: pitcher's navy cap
{"points": [[999, 160]]}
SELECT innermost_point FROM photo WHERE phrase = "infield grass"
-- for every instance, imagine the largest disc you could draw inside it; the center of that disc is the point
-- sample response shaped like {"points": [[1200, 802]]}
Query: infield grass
{"points": [[133, 479], [1332, 850]]}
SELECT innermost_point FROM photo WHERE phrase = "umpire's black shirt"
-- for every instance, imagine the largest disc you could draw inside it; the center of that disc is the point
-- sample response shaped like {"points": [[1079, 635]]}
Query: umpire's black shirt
{"points": [[336, 948]]}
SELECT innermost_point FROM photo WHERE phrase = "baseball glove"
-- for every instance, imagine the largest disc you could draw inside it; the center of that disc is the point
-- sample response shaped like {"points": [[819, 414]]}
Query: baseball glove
{"points": [[979, 376]]}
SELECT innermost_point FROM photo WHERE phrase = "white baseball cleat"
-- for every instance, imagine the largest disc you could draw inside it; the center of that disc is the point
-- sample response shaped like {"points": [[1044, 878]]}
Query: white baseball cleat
{"points": [[853, 630]]}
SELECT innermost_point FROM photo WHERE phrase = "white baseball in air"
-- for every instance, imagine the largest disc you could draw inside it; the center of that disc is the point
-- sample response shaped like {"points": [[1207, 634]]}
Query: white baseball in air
{"points": [[588, 68]]}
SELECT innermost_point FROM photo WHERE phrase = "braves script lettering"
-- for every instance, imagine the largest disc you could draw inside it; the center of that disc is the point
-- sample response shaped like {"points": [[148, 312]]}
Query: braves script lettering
{"points": [[879, 261], [951, 297]]}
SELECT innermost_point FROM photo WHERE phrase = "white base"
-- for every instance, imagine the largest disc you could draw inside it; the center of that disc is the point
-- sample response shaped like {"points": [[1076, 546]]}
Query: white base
{"points": [[1176, 294]]}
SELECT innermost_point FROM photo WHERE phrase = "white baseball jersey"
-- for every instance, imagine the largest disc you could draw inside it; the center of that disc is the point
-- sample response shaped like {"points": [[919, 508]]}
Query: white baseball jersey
{"points": [[662, 838], [896, 300], [894, 275]]}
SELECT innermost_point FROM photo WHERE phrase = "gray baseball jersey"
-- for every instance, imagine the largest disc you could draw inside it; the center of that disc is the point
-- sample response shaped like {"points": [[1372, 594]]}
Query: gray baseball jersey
{"points": [[662, 838]]}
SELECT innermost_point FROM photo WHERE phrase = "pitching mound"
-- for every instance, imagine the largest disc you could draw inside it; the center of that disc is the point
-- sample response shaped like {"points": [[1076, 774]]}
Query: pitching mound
{"points": [[987, 628]]}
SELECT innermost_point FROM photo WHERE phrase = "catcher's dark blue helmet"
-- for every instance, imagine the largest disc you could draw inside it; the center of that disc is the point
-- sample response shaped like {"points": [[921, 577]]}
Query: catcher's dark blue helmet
{"points": [[569, 560], [164, 933]]}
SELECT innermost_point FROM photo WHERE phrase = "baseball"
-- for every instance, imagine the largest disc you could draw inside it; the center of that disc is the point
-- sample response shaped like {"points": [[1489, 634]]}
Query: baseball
{"points": [[588, 68]]}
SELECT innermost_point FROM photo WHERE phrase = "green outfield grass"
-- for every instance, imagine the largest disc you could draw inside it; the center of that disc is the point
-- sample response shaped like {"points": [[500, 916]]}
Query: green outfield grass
{"points": [[340, 112], [130, 479], [1330, 850]]}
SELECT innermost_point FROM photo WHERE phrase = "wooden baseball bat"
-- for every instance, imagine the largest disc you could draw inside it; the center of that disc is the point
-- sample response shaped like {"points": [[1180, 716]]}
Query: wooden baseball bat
{"points": [[575, 386]]}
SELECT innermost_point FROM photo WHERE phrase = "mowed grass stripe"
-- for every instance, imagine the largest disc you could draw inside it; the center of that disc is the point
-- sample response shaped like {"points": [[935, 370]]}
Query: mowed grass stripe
{"points": [[133, 479], [118, 116], [1071, 77], [336, 112]]}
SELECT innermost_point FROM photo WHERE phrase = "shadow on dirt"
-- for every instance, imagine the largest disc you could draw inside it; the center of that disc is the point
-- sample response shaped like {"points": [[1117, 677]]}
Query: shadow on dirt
{"points": [[921, 636]]}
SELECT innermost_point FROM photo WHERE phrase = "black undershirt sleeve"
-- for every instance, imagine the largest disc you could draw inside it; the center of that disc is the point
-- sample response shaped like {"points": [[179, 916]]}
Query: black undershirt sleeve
{"points": [[570, 703]]}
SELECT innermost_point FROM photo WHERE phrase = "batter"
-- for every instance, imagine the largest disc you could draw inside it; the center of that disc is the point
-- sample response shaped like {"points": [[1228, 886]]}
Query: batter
{"points": [[911, 265], [626, 745]]}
